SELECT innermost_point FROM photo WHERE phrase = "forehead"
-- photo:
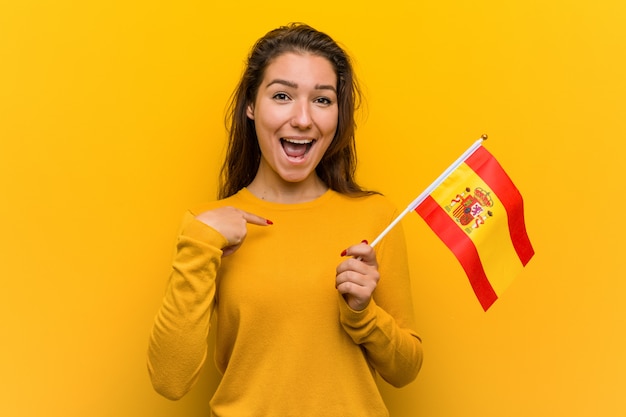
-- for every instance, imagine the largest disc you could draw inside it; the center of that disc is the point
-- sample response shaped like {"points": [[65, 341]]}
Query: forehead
{"points": [[301, 66]]}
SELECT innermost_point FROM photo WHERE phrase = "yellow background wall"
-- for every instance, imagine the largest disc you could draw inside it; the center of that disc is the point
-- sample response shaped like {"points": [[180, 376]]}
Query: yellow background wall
{"points": [[111, 124]]}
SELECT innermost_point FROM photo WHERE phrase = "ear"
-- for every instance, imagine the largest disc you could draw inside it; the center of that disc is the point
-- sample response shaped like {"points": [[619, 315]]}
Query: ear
{"points": [[250, 112]]}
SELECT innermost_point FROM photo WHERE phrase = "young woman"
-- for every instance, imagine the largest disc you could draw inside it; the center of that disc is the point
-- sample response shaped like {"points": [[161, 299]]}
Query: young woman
{"points": [[306, 316]]}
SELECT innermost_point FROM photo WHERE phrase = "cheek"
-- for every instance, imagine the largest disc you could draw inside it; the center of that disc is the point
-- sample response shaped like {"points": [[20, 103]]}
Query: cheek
{"points": [[330, 124], [270, 120]]}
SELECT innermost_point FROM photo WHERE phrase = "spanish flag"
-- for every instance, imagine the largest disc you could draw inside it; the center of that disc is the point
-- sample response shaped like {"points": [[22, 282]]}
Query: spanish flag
{"points": [[478, 213]]}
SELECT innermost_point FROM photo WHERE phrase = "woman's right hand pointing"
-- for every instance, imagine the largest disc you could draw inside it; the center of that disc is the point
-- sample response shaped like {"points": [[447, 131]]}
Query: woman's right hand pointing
{"points": [[231, 223]]}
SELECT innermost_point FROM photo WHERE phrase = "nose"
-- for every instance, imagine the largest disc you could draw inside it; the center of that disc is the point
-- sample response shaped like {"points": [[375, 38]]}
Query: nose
{"points": [[301, 117]]}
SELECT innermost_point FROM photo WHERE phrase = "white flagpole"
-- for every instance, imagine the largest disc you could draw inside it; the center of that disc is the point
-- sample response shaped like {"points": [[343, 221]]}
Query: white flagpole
{"points": [[431, 188]]}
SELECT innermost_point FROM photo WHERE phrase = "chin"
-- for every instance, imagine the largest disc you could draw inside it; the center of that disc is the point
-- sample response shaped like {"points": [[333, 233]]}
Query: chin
{"points": [[295, 178]]}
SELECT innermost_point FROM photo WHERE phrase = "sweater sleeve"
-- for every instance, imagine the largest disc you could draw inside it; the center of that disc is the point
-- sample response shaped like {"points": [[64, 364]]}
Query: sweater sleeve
{"points": [[385, 328], [178, 341]]}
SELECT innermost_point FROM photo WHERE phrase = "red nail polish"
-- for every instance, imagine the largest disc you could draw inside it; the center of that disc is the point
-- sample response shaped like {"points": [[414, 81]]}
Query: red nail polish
{"points": [[269, 221], [344, 252], [365, 241]]}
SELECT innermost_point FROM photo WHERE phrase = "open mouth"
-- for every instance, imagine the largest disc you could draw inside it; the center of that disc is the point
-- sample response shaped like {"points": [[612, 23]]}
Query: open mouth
{"points": [[296, 148]]}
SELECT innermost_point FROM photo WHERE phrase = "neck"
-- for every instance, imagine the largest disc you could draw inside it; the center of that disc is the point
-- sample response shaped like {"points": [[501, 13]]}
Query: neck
{"points": [[286, 192]]}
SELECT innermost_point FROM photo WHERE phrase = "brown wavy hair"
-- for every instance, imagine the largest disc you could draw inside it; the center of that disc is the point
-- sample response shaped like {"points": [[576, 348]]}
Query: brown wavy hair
{"points": [[243, 155]]}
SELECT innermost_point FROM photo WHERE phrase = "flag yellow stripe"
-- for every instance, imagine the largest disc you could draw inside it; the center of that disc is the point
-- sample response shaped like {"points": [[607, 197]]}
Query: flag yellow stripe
{"points": [[492, 239]]}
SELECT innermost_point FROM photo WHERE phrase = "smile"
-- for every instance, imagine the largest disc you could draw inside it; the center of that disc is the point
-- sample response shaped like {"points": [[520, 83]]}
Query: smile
{"points": [[296, 148]]}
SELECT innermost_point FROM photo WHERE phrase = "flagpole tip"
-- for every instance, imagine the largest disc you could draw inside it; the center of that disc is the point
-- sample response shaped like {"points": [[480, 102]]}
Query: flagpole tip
{"points": [[484, 136]]}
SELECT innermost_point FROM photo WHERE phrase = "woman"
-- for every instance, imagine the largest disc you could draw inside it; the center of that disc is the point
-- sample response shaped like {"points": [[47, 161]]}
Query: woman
{"points": [[306, 316]]}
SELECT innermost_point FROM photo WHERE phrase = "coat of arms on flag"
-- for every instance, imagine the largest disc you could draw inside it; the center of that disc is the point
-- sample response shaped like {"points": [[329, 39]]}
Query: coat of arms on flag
{"points": [[471, 209]]}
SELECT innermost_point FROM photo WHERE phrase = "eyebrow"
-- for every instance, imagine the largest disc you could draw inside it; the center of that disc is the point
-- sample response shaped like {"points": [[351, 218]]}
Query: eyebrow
{"points": [[291, 84]]}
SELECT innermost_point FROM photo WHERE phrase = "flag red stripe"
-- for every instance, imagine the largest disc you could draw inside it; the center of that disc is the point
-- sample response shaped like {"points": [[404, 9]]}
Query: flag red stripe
{"points": [[488, 168], [462, 246]]}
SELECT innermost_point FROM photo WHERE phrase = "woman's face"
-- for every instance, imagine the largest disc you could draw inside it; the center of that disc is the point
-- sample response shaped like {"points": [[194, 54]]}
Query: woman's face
{"points": [[295, 114]]}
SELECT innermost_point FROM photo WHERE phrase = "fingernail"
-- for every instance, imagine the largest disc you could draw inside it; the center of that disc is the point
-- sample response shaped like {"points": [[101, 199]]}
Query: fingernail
{"points": [[269, 221], [344, 252], [364, 241]]}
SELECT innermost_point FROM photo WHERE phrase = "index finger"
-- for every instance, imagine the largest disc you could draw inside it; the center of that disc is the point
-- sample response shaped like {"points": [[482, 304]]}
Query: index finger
{"points": [[362, 252], [254, 219]]}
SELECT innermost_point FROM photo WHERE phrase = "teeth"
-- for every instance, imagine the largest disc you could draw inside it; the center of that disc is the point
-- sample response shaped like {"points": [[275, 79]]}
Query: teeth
{"points": [[298, 141]]}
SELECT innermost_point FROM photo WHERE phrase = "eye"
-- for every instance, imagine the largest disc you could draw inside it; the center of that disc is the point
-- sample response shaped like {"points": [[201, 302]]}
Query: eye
{"points": [[325, 101], [280, 97]]}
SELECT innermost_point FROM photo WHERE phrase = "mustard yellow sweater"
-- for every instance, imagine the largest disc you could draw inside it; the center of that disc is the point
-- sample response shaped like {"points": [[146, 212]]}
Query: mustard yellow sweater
{"points": [[287, 343]]}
